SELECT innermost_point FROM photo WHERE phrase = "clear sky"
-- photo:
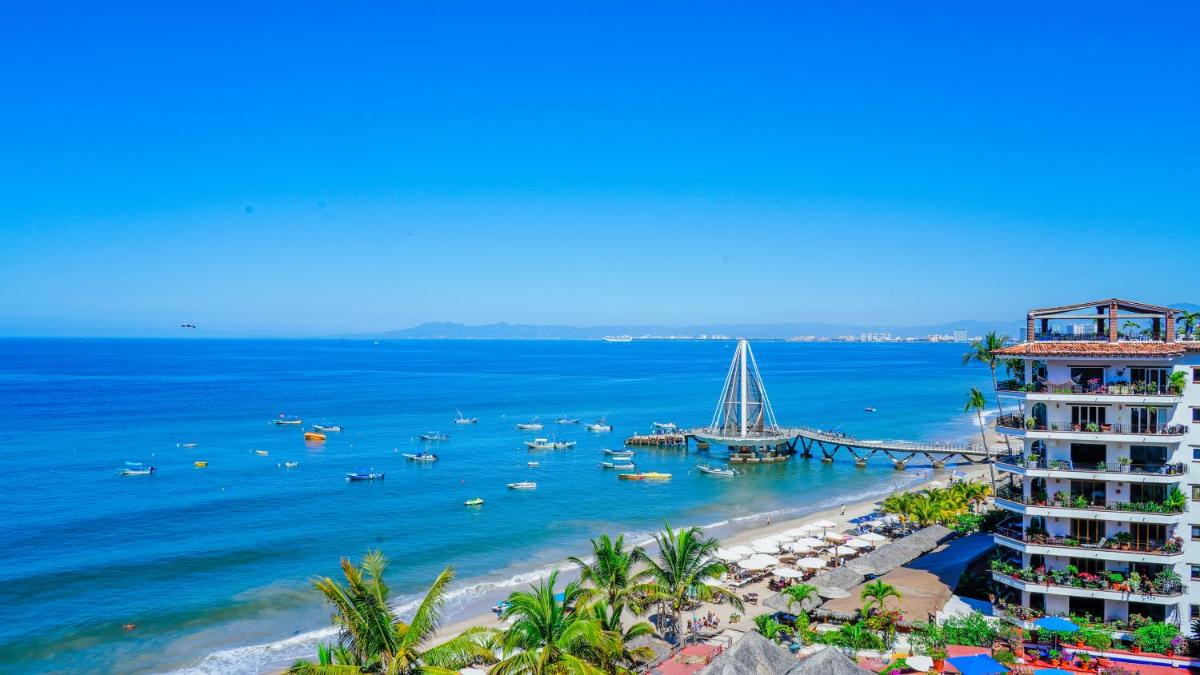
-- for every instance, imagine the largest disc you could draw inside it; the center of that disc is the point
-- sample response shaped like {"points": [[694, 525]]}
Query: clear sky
{"points": [[296, 169]]}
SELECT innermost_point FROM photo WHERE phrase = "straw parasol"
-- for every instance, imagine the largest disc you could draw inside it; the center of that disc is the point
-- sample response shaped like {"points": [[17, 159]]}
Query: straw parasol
{"points": [[753, 654], [811, 563]]}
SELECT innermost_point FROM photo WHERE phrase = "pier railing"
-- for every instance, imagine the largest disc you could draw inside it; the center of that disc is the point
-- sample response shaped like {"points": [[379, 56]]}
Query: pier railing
{"points": [[898, 446]]}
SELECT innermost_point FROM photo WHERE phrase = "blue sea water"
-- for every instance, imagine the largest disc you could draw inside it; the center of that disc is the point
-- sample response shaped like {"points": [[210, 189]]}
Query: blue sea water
{"points": [[212, 565]]}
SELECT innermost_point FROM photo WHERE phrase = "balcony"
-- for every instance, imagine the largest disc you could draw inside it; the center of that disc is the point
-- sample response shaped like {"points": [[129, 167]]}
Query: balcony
{"points": [[1117, 547], [1013, 499], [1092, 391], [1015, 425], [1040, 467], [1164, 587]]}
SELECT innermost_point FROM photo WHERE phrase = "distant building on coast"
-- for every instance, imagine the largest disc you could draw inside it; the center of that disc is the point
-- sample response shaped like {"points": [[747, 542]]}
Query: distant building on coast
{"points": [[1106, 434]]}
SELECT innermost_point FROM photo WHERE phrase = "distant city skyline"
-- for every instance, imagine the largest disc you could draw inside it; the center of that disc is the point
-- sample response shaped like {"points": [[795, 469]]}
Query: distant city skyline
{"points": [[305, 172]]}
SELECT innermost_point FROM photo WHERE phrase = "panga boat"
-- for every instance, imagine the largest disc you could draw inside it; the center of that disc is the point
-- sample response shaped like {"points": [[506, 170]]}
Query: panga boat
{"points": [[530, 426], [478, 501], [261, 453], [137, 469], [422, 457], [434, 436], [532, 465], [649, 475], [870, 409], [200, 464], [665, 426], [291, 465], [540, 444], [618, 453], [567, 420], [327, 427], [288, 419], [465, 420], [627, 466], [564, 445], [313, 436], [187, 445], [523, 485], [599, 425], [716, 471], [363, 474]]}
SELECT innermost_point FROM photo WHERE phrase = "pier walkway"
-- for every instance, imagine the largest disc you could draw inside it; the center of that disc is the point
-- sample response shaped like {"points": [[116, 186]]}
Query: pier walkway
{"points": [[807, 441]]}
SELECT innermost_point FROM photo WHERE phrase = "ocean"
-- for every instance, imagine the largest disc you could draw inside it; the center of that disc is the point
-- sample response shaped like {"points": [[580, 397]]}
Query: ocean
{"points": [[212, 565]]}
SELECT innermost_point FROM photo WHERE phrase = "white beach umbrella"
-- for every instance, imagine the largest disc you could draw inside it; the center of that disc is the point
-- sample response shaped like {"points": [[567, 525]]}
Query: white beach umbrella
{"points": [[759, 561], [834, 536], [780, 538], [765, 546], [788, 573], [797, 547], [823, 524], [844, 550], [797, 532], [872, 536], [859, 543], [811, 542], [918, 662], [744, 551], [728, 555], [811, 563]]}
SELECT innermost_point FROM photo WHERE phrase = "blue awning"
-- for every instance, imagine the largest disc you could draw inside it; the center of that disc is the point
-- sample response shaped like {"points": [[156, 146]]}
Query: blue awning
{"points": [[1056, 623], [979, 664]]}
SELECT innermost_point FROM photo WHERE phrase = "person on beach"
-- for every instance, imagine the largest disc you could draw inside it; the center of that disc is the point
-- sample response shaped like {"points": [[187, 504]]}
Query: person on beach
{"points": [[843, 509], [768, 521]]}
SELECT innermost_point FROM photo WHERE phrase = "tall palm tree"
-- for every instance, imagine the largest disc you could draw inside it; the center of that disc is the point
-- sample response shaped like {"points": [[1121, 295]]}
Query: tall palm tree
{"points": [[1130, 328], [610, 576], [898, 504], [626, 656], [682, 569], [976, 402], [371, 639], [1189, 321], [985, 351], [875, 594], [924, 510], [798, 593], [545, 638]]}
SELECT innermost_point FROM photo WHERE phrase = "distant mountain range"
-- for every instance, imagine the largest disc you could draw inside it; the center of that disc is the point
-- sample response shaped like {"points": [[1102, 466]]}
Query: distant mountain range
{"points": [[509, 331]]}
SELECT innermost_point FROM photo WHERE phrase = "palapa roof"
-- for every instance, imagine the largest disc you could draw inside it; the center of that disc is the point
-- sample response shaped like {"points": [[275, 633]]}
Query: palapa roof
{"points": [[752, 655], [901, 552], [841, 577], [828, 661]]}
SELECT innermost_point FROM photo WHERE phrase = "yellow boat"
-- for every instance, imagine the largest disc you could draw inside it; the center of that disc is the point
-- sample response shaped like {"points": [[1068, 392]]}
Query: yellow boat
{"points": [[313, 436], [201, 464], [651, 475]]}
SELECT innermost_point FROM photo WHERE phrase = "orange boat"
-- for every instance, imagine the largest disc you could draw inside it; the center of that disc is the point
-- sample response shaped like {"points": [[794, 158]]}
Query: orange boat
{"points": [[313, 436]]}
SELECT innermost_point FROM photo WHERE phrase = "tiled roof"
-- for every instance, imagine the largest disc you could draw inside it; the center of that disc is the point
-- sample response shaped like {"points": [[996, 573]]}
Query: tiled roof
{"points": [[1068, 348]]}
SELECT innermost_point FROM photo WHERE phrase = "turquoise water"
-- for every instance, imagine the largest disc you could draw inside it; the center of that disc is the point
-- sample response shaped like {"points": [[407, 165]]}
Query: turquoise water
{"points": [[212, 564]]}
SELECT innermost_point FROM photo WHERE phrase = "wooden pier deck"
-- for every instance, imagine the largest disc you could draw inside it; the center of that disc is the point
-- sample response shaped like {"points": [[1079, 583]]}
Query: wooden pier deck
{"points": [[657, 440], [807, 441]]}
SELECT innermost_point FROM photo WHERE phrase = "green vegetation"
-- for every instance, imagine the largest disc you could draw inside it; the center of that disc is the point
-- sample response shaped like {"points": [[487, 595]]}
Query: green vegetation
{"points": [[682, 571], [937, 505]]}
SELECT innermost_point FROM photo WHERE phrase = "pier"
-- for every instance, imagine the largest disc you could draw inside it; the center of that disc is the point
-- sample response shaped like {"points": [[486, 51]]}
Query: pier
{"points": [[658, 440]]}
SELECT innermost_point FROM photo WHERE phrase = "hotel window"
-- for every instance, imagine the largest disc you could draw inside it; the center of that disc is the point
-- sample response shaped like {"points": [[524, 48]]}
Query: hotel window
{"points": [[1144, 419], [1195, 572], [1195, 375], [1195, 611], [1196, 532], [1196, 414], [1196, 493], [1157, 377], [1195, 454], [1084, 415], [1087, 531]]}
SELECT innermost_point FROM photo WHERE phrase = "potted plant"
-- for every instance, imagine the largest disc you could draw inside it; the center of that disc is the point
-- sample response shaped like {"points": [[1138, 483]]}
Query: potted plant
{"points": [[1081, 502], [1106, 428], [1030, 423], [1054, 427], [1074, 427], [1124, 461], [1102, 466], [1135, 582], [1092, 427], [938, 656], [1055, 657], [1176, 500]]}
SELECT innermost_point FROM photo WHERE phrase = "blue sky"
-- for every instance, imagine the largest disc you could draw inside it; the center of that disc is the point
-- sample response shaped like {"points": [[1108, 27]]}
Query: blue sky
{"points": [[295, 169]]}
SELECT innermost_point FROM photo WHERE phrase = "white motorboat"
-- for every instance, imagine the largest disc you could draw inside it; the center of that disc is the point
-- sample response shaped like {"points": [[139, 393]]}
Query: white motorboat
{"points": [[327, 427], [523, 485], [716, 471], [618, 453], [421, 457], [625, 466], [532, 465], [666, 426], [364, 474], [136, 469], [291, 465], [871, 409], [287, 419], [530, 426], [599, 425], [567, 420], [465, 420], [433, 436], [540, 444], [564, 445]]}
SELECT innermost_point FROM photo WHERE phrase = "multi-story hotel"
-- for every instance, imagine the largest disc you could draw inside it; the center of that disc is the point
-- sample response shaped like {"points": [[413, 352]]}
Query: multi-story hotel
{"points": [[1104, 481]]}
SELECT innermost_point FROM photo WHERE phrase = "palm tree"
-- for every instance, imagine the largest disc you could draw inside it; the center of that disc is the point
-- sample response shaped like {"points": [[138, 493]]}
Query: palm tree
{"points": [[1177, 381], [924, 510], [798, 593], [768, 626], [898, 504], [976, 402], [609, 577], [371, 639], [1189, 321], [610, 620], [875, 594], [1130, 328], [545, 638], [974, 492], [984, 351], [681, 572]]}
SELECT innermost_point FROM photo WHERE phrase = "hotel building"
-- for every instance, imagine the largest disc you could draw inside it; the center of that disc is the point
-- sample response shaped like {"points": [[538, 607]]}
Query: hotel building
{"points": [[1103, 485]]}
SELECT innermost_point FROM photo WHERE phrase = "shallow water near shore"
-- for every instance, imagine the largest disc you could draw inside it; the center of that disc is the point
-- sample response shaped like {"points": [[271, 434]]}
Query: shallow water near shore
{"points": [[212, 563]]}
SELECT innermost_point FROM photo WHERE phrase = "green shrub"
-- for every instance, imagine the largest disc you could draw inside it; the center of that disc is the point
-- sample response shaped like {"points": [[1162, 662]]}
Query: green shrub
{"points": [[973, 630], [1155, 637]]}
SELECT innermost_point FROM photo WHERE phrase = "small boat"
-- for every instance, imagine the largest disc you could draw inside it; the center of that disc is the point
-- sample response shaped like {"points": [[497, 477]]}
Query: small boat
{"points": [[287, 419], [523, 485], [364, 474], [327, 427], [421, 457], [716, 471], [261, 453], [530, 426], [599, 425], [137, 469], [564, 445], [478, 501], [200, 464], [540, 444], [870, 409], [617, 338], [618, 453], [314, 436], [567, 420], [654, 475], [186, 445], [666, 426], [291, 465], [465, 420], [631, 476], [532, 465], [434, 436], [613, 465]]}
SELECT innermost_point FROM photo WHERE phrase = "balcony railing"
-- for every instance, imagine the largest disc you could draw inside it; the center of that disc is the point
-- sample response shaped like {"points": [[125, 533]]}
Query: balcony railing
{"points": [[1172, 546], [1090, 388], [1054, 336], [1175, 469], [1159, 585], [1016, 494], [1018, 422]]}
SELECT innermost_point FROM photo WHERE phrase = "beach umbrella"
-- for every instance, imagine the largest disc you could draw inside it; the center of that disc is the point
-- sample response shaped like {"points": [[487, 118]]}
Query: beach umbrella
{"points": [[811, 563], [872, 536], [744, 551], [858, 543], [823, 524], [1056, 623], [781, 538], [844, 550], [788, 573], [759, 561], [797, 547], [728, 555], [834, 536], [979, 664], [811, 542], [765, 546], [919, 662], [796, 532]]}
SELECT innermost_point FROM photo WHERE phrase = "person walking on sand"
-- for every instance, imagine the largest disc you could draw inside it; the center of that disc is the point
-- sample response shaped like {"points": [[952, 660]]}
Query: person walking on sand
{"points": [[843, 509]]}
